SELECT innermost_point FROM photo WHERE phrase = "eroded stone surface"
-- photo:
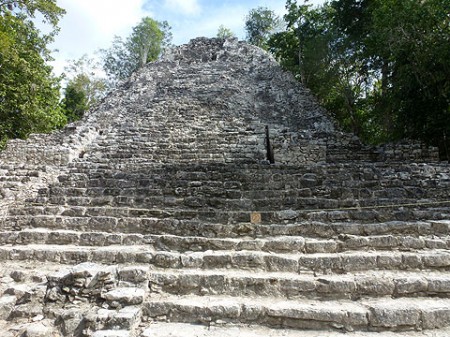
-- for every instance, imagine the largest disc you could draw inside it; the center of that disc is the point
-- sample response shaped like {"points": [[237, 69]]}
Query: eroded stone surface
{"points": [[161, 206]]}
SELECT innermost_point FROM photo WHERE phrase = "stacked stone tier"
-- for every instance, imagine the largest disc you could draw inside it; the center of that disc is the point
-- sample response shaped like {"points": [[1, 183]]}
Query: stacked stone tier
{"points": [[160, 214]]}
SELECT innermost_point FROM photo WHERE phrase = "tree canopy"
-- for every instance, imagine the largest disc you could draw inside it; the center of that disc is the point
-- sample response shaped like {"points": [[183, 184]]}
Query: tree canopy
{"points": [[28, 8], [84, 88], [382, 67], [260, 23], [224, 33], [144, 45], [29, 93]]}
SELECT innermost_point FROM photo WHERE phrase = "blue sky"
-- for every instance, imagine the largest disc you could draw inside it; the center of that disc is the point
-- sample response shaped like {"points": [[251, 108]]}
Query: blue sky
{"points": [[91, 24]]}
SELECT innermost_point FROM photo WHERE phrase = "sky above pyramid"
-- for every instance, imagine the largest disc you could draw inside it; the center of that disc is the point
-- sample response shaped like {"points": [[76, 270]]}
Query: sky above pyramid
{"points": [[91, 24]]}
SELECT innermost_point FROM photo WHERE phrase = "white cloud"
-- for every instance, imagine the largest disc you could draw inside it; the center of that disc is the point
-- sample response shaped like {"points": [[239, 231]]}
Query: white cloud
{"points": [[189, 7], [90, 25], [100, 18], [208, 24]]}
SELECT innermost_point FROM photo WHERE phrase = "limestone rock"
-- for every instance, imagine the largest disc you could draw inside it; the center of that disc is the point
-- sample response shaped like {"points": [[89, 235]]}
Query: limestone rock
{"points": [[161, 205], [111, 333], [40, 329], [125, 296], [7, 303]]}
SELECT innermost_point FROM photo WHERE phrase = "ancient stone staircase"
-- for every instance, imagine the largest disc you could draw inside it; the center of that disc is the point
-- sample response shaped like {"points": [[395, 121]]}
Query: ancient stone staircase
{"points": [[159, 215]]}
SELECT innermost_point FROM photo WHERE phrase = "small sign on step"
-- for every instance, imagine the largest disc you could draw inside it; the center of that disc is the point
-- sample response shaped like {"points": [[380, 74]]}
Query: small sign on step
{"points": [[255, 218]]}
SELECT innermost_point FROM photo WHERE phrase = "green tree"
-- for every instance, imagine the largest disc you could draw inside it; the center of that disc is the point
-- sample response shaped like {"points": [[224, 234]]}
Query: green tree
{"points": [[84, 73], [145, 44], [260, 24], [380, 66], [29, 93], [146, 41], [404, 46], [224, 33], [117, 61], [28, 8], [84, 87], [75, 102], [312, 49]]}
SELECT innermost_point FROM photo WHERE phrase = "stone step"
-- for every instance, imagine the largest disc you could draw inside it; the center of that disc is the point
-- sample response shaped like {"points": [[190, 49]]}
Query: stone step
{"points": [[229, 201], [155, 221], [112, 333], [162, 329], [266, 177], [433, 259], [194, 208], [367, 169], [274, 244], [9, 181], [362, 189], [373, 314], [252, 188], [355, 174], [234, 282], [311, 175], [300, 286], [233, 196], [124, 297], [39, 328], [100, 322]]}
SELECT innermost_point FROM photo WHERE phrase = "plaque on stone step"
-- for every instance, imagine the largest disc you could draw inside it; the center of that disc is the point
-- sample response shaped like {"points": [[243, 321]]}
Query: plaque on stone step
{"points": [[255, 218]]}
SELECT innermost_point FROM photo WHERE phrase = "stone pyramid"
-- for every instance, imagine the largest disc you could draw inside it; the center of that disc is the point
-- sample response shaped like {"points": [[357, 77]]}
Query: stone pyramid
{"points": [[210, 195]]}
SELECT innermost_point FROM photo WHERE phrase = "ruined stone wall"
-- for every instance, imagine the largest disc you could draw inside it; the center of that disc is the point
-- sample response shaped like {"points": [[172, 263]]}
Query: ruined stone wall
{"points": [[343, 147], [408, 152], [207, 101], [164, 195], [264, 90], [28, 165], [300, 148]]}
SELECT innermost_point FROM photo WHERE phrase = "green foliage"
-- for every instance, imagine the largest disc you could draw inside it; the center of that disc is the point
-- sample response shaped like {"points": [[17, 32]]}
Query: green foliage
{"points": [[224, 33], [418, 72], [117, 61], [84, 88], [145, 41], [75, 102], [310, 48], [382, 67], [48, 8], [144, 45], [29, 93], [260, 23], [404, 46]]}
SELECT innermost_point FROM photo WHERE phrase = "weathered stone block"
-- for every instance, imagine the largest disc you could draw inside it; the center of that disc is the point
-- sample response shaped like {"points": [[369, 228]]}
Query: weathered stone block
{"points": [[436, 260], [125, 296], [339, 288], [375, 286], [7, 303], [321, 246], [281, 263], [133, 274], [358, 262], [411, 285], [285, 244], [439, 284], [112, 333], [435, 318], [248, 260], [394, 316], [167, 260]]}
